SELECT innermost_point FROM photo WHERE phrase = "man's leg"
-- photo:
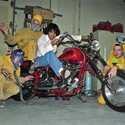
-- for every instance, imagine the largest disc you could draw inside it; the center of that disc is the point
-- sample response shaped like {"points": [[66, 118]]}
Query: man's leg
{"points": [[54, 63], [51, 60]]}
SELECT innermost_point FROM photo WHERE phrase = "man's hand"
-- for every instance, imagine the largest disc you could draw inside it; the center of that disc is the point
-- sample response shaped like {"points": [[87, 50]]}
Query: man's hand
{"points": [[26, 78], [55, 41], [112, 72]]}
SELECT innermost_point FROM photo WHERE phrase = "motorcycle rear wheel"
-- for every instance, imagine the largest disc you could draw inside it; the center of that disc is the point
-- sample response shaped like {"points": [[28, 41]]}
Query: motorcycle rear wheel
{"points": [[115, 99]]}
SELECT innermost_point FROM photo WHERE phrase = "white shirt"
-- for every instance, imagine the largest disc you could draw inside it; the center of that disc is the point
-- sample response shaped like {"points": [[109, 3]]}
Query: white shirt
{"points": [[44, 44]]}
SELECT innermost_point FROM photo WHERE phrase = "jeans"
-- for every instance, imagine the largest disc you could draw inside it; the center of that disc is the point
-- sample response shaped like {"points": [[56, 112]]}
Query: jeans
{"points": [[49, 59]]}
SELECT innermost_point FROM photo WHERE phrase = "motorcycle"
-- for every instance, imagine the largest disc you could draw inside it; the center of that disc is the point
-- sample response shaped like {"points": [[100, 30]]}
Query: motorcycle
{"points": [[81, 57]]}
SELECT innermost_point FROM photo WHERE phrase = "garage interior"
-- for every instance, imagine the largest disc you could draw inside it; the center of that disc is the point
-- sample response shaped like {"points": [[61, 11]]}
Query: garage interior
{"points": [[77, 17]]}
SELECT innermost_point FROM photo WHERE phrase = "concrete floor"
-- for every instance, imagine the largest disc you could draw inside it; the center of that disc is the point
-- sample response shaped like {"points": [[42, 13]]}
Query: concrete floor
{"points": [[48, 111]]}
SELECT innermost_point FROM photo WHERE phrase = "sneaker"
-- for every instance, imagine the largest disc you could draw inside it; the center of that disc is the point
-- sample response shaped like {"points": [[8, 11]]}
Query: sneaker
{"points": [[101, 100]]}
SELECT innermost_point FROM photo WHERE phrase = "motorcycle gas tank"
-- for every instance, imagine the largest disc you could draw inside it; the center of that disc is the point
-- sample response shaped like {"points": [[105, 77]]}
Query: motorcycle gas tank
{"points": [[73, 55]]}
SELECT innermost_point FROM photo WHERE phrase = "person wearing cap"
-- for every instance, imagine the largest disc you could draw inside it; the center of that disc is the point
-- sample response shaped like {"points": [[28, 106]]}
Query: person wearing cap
{"points": [[115, 61], [25, 38]]}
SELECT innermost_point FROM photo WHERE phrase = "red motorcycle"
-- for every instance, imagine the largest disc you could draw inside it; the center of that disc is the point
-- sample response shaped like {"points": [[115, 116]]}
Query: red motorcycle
{"points": [[81, 57]]}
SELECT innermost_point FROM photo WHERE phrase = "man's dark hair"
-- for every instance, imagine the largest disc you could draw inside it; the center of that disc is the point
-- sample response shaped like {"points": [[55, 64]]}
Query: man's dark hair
{"points": [[50, 27]]}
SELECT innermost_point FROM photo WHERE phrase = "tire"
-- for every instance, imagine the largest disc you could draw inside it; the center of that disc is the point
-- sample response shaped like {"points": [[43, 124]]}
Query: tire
{"points": [[116, 100]]}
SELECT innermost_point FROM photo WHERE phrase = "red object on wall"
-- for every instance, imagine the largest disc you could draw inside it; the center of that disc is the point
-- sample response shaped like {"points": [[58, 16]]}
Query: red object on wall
{"points": [[117, 28], [104, 26]]}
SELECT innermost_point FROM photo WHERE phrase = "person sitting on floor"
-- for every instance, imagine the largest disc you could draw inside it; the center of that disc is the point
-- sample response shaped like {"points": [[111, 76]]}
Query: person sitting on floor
{"points": [[115, 61]]}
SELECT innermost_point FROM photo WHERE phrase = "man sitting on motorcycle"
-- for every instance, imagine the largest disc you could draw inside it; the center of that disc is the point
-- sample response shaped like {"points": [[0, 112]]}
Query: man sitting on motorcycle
{"points": [[45, 55], [9, 63]]}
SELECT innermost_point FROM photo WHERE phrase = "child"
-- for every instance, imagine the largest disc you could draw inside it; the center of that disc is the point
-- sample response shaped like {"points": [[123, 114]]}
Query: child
{"points": [[115, 61]]}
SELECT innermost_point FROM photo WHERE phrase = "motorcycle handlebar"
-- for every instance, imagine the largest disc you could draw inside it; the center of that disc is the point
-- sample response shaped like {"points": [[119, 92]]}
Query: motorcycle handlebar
{"points": [[70, 40], [87, 43]]}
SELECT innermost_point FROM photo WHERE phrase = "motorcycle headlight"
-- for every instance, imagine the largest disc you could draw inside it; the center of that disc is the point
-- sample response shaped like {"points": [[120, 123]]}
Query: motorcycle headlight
{"points": [[95, 45]]}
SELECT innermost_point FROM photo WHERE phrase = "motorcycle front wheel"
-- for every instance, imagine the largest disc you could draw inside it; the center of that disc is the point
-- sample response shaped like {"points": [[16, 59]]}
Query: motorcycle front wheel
{"points": [[114, 92]]}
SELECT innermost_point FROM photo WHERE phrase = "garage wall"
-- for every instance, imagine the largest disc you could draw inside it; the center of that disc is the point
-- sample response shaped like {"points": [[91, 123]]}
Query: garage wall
{"points": [[68, 9], [90, 11], [93, 11], [80, 15]]}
